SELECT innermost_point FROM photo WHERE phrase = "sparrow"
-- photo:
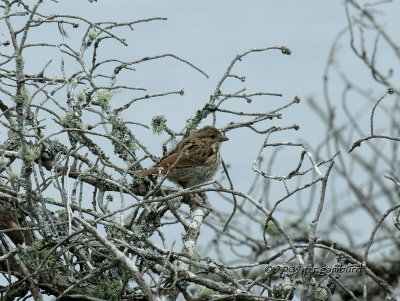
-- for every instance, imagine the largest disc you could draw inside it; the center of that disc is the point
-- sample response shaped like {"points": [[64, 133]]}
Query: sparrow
{"points": [[192, 161], [7, 222]]}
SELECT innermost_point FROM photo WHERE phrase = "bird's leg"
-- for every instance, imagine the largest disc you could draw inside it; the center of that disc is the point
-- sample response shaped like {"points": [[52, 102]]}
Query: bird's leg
{"points": [[197, 199]]}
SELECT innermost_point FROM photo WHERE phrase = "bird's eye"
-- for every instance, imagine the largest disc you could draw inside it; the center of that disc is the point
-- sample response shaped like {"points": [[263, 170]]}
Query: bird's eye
{"points": [[212, 136]]}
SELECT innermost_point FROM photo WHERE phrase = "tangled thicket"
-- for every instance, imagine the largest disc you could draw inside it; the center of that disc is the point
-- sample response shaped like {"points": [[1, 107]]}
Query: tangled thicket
{"points": [[77, 224]]}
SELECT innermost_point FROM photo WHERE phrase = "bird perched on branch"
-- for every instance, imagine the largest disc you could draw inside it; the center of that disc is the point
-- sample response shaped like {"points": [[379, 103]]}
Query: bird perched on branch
{"points": [[8, 222], [193, 161]]}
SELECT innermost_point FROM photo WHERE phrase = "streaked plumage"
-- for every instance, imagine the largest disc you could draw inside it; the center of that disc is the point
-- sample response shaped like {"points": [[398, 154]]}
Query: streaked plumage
{"points": [[193, 161]]}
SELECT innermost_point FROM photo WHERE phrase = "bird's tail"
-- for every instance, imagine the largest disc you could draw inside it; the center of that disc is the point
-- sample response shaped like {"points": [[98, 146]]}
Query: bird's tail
{"points": [[148, 172]]}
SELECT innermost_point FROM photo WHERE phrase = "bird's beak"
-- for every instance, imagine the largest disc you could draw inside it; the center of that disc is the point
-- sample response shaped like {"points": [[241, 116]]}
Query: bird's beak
{"points": [[223, 138]]}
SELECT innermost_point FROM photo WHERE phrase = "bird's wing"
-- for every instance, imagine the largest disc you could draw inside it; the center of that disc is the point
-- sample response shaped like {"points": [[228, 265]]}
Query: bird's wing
{"points": [[191, 155]]}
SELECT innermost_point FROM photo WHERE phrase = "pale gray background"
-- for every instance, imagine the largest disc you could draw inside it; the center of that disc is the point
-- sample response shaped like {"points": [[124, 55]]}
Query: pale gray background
{"points": [[209, 34]]}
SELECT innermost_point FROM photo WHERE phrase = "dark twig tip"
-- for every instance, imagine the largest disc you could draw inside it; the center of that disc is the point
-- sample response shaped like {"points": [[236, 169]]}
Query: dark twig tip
{"points": [[355, 144], [286, 50]]}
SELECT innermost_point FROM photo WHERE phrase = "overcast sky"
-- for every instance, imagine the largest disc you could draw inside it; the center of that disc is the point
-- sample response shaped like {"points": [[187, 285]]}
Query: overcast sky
{"points": [[209, 34]]}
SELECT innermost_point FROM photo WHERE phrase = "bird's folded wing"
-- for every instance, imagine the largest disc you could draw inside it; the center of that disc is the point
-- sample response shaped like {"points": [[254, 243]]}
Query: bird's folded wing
{"points": [[192, 156]]}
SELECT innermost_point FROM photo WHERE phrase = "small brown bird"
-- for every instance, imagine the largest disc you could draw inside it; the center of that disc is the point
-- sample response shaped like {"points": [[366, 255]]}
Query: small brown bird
{"points": [[7, 222], [193, 161]]}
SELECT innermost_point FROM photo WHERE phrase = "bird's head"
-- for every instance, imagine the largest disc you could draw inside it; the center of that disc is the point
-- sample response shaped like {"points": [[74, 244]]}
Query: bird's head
{"points": [[210, 135]]}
